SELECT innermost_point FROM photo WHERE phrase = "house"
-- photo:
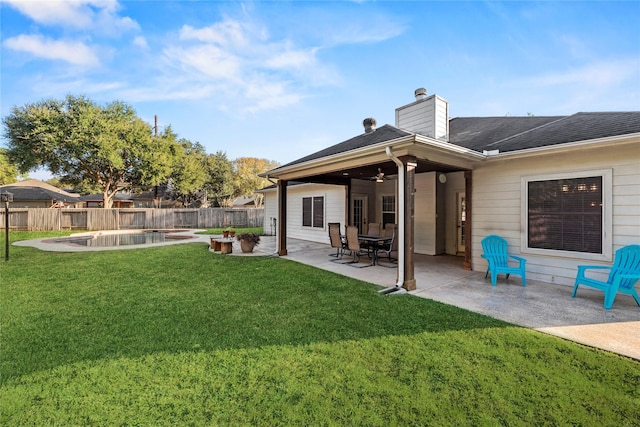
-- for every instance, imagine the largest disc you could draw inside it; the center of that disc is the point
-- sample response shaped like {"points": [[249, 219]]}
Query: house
{"points": [[120, 200], [32, 193], [244, 203], [563, 190]]}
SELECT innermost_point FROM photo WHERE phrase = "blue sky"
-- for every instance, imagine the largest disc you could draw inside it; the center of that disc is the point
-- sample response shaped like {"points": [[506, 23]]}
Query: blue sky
{"points": [[280, 80]]}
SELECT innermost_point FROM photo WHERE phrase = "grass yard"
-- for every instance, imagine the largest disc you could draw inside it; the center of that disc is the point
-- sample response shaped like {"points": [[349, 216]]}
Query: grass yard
{"points": [[176, 335]]}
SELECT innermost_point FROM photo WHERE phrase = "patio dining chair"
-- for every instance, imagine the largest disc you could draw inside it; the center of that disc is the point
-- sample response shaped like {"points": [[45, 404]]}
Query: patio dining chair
{"points": [[392, 246], [495, 252], [373, 229], [623, 276], [338, 241], [353, 245]]}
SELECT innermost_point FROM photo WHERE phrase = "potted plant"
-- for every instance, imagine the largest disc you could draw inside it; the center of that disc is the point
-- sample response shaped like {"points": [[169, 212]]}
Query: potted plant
{"points": [[248, 241]]}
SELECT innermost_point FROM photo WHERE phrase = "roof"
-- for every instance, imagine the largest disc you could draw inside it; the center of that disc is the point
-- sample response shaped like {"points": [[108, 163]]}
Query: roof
{"points": [[503, 133], [520, 133], [99, 196], [32, 189], [381, 134]]}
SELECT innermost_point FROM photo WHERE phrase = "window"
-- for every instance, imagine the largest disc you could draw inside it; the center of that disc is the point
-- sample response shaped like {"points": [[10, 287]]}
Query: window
{"points": [[313, 212], [568, 213], [388, 210]]}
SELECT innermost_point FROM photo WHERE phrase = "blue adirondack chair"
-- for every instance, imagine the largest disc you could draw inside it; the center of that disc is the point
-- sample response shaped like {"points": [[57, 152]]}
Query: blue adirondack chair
{"points": [[495, 252], [623, 275]]}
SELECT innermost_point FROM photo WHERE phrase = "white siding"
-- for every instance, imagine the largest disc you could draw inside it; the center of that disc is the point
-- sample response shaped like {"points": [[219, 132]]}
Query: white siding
{"points": [[270, 211], [334, 210], [497, 204], [429, 117]]}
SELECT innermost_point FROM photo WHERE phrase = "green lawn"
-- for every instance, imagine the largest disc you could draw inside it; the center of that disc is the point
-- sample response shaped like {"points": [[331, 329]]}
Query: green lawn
{"points": [[177, 335]]}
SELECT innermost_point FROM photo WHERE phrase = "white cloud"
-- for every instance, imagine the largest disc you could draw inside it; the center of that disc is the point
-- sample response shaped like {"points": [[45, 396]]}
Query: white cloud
{"points": [[54, 12], [207, 61], [240, 63], [267, 95], [225, 33], [73, 52], [100, 16], [141, 42], [292, 59], [598, 74]]}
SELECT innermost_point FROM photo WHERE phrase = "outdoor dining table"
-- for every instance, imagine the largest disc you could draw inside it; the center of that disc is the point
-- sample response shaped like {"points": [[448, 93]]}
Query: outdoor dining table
{"points": [[374, 243]]}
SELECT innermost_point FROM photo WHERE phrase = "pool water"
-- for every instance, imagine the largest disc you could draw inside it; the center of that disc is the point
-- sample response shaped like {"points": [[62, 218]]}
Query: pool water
{"points": [[125, 239]]}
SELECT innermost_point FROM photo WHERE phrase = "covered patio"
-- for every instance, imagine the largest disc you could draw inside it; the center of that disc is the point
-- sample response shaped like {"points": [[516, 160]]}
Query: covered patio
{"points": [[542, 306]]}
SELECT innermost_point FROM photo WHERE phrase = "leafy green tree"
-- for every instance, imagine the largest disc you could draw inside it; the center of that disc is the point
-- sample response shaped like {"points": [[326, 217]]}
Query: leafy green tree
{"points": [[189, 175], [82, 142], [246, 180], [219, 185], [8, 171]]}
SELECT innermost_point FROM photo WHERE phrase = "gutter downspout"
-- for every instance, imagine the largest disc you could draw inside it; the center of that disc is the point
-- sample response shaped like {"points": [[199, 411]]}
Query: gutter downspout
{"points": [[271, 180], [398, 289]]}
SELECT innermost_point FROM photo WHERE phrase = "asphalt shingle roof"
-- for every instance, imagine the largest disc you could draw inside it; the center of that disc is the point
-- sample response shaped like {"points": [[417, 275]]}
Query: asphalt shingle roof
{"points": [[33, 193], [381, 134], [505, 133], [520, 133]]}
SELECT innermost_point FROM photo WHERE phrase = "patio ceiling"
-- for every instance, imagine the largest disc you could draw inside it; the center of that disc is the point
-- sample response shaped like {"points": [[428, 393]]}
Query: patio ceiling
{"points": [[366, 172]]}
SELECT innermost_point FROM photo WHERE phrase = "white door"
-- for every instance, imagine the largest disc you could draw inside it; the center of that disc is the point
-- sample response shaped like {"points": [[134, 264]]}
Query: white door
{"points": [[462, 215], [359, 212]]}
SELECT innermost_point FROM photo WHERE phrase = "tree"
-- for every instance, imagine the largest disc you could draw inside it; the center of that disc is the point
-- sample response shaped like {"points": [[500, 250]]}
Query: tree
{"points": [[219, 185], [246, 180], [83, 143], [190, 174], [8, 171]]}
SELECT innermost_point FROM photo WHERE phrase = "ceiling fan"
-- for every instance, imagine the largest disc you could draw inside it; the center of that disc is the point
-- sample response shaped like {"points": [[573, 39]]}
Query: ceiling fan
{"points": [[379, 177]]}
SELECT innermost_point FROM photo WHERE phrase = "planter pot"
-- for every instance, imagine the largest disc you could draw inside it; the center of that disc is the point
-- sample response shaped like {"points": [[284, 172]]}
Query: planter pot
{"points": [[225, 233], [246, 246], [232, 233]]}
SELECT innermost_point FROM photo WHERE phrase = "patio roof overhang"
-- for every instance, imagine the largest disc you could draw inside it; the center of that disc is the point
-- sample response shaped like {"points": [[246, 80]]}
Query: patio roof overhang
{"points": [[404, 157], [363, 163]]}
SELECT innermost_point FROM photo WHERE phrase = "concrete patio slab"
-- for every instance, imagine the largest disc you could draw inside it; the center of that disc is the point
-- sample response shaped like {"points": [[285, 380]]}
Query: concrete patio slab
{"points": [[545, 307]]}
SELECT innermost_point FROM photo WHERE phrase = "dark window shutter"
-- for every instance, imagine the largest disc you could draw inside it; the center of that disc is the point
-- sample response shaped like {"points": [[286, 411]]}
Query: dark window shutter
{"points": [[306, 212]]}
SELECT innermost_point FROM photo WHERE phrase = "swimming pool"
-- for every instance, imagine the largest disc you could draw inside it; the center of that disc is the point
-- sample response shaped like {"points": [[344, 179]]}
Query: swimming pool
{"points": [[114, 239], [122, 239]]}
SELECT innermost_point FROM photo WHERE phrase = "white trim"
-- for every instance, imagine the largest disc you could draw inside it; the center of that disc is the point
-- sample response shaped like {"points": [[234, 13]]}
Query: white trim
{"points": [[381, 206], [607, 215], [566, 146]]}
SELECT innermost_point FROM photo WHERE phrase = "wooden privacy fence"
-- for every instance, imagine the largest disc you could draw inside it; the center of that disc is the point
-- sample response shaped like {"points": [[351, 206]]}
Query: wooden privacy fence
{"points": [[39, 219]]}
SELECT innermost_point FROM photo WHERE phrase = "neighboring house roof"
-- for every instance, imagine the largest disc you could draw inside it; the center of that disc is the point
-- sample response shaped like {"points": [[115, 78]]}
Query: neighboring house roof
{"points": [[520, 133], [34, 190], [242, 202], [98, 197], [162, 194]]}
